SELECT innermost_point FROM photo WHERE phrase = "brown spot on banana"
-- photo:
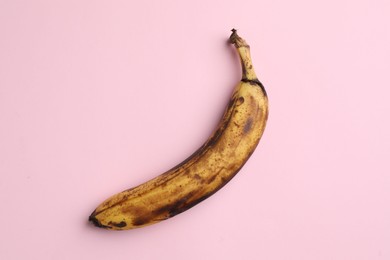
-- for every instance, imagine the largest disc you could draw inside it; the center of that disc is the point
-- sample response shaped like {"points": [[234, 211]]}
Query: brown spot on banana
{"points": [[121, 224], [240, 100], [204, 172], [248, 125]]}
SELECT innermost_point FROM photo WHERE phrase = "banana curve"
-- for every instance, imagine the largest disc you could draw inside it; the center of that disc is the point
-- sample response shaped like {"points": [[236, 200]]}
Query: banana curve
{"points": [[203, 173]]}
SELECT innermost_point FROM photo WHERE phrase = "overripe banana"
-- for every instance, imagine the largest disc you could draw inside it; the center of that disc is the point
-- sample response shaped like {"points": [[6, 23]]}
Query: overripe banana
{"points": [[207, 170]]}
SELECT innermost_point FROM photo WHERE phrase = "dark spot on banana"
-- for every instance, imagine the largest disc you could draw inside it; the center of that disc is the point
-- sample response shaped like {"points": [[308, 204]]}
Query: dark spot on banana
{"points": [[119, 225], [210, 180], [139, 221], [248, 125], [240, 100], [243, 67], [198, 178], [96, 222]]}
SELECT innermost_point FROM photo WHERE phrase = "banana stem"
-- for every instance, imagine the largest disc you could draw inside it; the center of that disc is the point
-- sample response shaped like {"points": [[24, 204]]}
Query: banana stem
{"points": [[248, 72]]}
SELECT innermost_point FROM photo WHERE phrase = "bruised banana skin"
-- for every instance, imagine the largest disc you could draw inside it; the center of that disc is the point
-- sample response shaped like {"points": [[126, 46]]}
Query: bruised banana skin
{"points": [[206, 171]]}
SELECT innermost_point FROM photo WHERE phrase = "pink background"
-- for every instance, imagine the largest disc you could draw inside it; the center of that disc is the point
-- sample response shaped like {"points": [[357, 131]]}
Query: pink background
{"points": [[98, 96]]}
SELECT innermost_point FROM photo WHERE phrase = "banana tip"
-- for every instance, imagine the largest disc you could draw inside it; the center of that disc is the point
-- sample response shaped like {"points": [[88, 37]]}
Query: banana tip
{"points": [[96, 222]]}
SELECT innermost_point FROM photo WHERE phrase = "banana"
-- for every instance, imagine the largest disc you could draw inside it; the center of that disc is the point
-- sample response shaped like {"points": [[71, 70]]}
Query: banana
{"points": [[207, 170]]}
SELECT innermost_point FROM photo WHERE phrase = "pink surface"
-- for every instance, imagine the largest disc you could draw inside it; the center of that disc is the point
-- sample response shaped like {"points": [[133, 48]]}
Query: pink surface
{"points": [[98, 96]]}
